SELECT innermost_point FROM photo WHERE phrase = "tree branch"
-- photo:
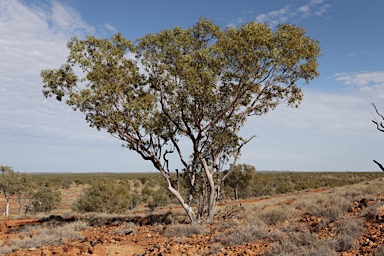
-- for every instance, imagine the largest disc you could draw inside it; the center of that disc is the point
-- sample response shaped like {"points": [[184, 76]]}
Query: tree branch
{"points": [[380, 125], [381, 167]]}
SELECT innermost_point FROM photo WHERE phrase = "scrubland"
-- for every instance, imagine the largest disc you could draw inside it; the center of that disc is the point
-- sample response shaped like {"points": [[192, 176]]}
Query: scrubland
{"points": [[281, 213]]}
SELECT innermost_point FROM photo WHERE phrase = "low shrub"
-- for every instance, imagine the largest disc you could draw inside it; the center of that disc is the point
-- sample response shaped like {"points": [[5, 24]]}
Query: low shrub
{"points": [[44, 200], [104, 196]]}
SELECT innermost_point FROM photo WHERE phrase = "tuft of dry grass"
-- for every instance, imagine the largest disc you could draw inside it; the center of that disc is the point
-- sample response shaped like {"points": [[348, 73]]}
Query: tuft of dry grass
{"points": [[276, 214], [125, 229], [348, 231], [185, 230], [243, 232]]}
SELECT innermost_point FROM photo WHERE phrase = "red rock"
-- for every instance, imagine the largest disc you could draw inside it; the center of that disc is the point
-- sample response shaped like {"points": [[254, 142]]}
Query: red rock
{"points": [[46, 252], [3, 227], [248, 252], [98, 250], [73, 251], [58, 251]]}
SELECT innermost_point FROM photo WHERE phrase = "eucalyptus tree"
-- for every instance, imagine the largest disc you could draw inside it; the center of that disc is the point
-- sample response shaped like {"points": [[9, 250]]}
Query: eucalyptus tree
{"points": [[179, 97], [240, 178], [8, 182], [23, 190]]}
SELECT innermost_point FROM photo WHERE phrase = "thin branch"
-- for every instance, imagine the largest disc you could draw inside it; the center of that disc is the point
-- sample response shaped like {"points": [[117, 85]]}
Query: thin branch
{"points": [[237, 155], [379, 125]]}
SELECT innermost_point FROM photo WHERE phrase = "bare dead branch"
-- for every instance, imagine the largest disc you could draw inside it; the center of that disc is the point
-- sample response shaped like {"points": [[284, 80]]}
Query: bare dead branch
{"points": [[379, 125], [381, 167]]}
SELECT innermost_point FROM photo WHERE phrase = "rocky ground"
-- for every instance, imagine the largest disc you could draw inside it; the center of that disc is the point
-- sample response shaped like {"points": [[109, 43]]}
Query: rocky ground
{"points": [[354, 228]]}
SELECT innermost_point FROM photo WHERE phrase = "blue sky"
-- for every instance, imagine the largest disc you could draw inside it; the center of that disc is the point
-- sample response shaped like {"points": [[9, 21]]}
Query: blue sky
{"points": [[331, 130]]}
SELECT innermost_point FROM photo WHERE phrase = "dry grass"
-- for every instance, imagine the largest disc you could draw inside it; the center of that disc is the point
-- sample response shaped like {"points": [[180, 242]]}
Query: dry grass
{"points": [[243, 232], [276, 214], [125, 229], [37, 236], [185, 230]]}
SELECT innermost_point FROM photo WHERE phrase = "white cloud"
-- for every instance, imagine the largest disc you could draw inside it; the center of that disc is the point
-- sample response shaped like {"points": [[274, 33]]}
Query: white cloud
{"points": [[34, 38], [275, 17], [287, 13], [369, 83], [111, 28]]}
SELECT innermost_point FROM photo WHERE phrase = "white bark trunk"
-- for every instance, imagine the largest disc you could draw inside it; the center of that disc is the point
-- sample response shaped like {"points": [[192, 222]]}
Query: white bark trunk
{"points": [[186, 207], [212, 193], [7, 208]]}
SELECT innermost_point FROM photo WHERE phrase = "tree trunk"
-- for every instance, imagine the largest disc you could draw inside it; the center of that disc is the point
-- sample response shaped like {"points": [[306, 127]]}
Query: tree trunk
{"points": [[186, 206], [212, 198], [7, 207], [20, 206], [212, 192], [200, 209]]}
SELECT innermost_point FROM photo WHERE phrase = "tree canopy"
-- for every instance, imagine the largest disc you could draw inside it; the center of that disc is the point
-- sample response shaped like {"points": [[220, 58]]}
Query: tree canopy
{"points": [[198, 85]]}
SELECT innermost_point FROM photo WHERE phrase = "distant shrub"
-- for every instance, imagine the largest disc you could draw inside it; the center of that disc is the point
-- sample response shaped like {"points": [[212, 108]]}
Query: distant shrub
{"points": [[105, 196], [66, 184], [45, 200], [135, 200], [160, 198]]}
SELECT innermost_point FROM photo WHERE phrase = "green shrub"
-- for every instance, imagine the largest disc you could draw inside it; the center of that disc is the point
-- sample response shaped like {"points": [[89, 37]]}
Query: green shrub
{"points": [[135, 200], [159, 198], [105, 196], [45, 200]]}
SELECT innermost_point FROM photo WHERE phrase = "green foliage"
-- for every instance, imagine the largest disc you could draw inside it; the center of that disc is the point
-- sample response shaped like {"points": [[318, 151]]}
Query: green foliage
{"points": [[135, 200], [6, 169], [159, 198], [240, 179], [45, 200], [104, 196]]}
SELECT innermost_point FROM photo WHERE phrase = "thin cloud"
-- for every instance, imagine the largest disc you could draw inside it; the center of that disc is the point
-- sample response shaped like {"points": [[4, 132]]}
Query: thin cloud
{"points": [[275, 17], [361, 78], [111, 28], [287, 13], [34, 38], [328, 131], [371, 83]]}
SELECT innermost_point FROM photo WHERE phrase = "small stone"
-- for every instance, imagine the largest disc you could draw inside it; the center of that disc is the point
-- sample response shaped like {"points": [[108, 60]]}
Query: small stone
{"points": [[98, 250], [34, 233], [46, 252], [248, 252], [73, 251], [58, 251]]}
